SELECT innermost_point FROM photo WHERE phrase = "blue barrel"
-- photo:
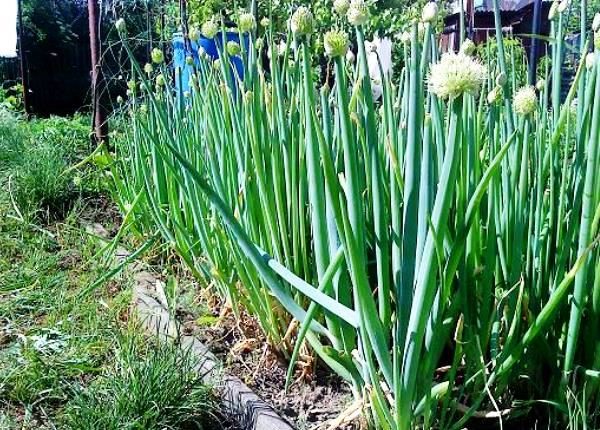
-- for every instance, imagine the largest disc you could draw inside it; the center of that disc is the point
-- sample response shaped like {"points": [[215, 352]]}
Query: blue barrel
{"points": [[211, 47]]}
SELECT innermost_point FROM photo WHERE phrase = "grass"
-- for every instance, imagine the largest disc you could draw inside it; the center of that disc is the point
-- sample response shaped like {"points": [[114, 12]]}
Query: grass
{"points": [[70, 361]]}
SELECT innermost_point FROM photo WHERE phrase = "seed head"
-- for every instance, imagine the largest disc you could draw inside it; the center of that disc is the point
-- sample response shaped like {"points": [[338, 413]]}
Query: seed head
{"points": [[246, 23], [341, 7], [121, 26], [302, 21], [455, 75], [525, 101], [157, 56], [233, 48], [335, 43], [210, 29], [358, 12], [430, 12]]}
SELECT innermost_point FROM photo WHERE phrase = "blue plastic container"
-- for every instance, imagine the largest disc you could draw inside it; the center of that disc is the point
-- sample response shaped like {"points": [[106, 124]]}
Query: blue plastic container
{"points": [[211, 47]]}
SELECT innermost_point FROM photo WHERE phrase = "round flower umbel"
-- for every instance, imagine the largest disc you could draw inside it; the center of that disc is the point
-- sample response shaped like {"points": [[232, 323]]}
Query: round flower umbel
{"points": [[265, 22], [525, 101], [233, 48], [468, 47], [157, 56], [335, 43], [302, 22], [246, 23], [358, 12], [341, 7], [455, 75], [210, 29]]}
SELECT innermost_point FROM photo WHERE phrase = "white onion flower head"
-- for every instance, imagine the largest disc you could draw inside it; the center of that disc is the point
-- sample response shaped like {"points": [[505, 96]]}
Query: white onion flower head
{"points": [[405, 37], [358, 12], [596, 22], [265, 22], [148, 68], [246, 23], [157, 56], [563, 6], [468, 47], [302, 21], [590, 60], [210, 29], [341, 7], [525, 101], [120, 100], [455, 75], [335, 43], [121, 26], [430, 12]]}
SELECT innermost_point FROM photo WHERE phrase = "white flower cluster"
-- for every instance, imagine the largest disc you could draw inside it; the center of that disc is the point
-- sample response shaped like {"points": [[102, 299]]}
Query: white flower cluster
{"points": [[456, 74]]}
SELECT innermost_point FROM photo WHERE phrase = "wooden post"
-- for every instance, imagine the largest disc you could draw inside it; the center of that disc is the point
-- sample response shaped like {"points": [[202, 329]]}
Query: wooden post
{"points": [[100, 126], [24, 80]]}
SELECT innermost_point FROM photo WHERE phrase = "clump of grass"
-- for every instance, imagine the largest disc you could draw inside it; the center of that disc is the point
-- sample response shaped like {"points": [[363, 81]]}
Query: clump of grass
{"points": [[151, 386]]}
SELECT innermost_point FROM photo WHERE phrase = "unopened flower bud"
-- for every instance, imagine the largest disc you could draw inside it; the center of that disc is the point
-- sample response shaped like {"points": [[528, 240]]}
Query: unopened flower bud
{"points": [[148, 68], [160, 80], [157, 56], [590, 60], [501, 79], [189, 60], [194, 34], [120, 100], [553, 10], [563, 6], [540, 85], [121, 26], [495, 95], [265, 22], [596, 22], [430, 12]]}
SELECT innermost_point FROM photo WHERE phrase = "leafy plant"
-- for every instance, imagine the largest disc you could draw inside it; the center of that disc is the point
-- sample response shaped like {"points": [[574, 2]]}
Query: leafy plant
{"points": [[425, 245]]}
